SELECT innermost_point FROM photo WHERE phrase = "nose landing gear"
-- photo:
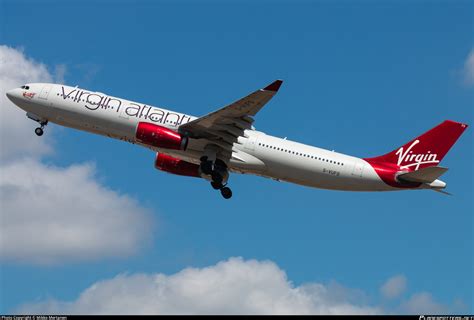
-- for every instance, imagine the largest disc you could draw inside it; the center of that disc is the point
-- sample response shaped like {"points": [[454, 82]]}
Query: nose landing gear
{"points": [[40, 130]]}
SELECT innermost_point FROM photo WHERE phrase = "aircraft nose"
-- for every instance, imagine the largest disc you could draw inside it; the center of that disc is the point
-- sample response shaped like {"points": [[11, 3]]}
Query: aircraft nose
{"points": [[11, 94]]}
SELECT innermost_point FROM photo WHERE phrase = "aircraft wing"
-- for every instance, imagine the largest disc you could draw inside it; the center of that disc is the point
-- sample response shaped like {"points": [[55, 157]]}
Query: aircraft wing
{"points": [[226, 125]]}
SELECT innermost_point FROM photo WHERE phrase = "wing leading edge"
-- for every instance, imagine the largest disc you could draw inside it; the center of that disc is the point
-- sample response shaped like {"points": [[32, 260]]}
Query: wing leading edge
{"points": [[226, 125]]}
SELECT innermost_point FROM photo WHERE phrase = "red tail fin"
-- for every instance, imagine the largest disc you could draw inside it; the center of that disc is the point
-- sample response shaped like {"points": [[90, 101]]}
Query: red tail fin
{"points": [[427, 150]]}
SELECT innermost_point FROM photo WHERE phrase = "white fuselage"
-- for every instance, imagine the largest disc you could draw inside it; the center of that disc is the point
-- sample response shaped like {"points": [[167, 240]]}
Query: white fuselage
{"points": [[257, 153]]}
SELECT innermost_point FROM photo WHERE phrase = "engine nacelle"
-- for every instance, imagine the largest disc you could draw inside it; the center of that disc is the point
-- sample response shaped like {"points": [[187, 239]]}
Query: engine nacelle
{"points": [[160, 137], [176, 166]]}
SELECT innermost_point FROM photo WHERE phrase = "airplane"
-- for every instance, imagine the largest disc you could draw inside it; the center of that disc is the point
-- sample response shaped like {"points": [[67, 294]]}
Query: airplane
{"points": [[225, 141]]}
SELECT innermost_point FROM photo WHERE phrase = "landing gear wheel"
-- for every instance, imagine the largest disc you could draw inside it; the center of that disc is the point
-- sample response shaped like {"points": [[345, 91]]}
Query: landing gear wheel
{"points": [[226, 192], [216, 186], [217, 177], [39, 132], [206, 167]]}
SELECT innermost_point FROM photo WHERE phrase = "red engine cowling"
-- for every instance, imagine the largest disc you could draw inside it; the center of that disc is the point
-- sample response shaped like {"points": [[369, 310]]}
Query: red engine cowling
{"points": [[160, 137], [176, 166]]}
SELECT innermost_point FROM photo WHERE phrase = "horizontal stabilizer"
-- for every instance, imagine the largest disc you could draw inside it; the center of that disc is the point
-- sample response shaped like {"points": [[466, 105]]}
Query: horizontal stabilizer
{"points": [[425, 175], [442, 191]]}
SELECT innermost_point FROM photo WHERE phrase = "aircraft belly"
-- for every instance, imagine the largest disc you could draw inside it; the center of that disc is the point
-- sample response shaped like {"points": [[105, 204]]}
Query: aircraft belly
{"points": [[35, 108]]}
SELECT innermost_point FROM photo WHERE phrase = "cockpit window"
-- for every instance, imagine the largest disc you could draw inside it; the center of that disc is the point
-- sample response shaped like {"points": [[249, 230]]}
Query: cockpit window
{"points": [[25, 87]]}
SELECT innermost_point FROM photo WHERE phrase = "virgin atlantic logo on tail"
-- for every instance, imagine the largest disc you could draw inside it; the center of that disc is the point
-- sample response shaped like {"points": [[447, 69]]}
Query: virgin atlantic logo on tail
{"points": [[408, 159]]}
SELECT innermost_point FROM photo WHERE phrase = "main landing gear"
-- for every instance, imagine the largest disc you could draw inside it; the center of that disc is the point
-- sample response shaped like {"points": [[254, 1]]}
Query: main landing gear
{"points": [[226, 192], [219, 174]]}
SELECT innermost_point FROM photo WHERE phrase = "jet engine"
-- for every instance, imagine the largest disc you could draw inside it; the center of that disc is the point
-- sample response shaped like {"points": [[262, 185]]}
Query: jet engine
{"points": [[160, 137], [176, 166]]}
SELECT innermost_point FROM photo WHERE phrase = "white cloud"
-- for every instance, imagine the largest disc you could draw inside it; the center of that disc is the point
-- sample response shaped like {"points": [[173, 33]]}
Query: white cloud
{"points": [[422, 303], [469, 68], [233, 286], [60, 71], [50, 214], [394, 286], [16, 130]]}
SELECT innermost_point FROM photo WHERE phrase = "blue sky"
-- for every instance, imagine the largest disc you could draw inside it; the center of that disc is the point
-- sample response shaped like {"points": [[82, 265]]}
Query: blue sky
{"points": [[360, 77]]}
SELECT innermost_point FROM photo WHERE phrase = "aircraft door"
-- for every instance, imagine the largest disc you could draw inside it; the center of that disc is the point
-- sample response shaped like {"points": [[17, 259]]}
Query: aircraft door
{"points": [[251, 142], [358, 169], [45, 92]]}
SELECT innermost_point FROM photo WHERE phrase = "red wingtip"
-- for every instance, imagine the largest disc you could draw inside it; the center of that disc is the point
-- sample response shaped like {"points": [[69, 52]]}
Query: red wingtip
{"points": [[274, 86]]}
